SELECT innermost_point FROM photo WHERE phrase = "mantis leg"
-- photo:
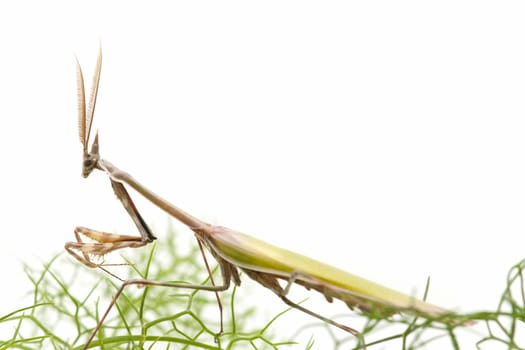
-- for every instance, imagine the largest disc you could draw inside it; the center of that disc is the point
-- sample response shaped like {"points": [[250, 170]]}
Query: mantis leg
{"points": [[226, 279], [270, 281], [219, 303], [107, 242], [123, 195], [294, 277], [316, 315]]}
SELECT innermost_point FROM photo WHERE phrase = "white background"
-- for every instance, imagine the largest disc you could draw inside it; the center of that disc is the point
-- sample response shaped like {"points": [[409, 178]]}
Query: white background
{"points": [[386, 139]]}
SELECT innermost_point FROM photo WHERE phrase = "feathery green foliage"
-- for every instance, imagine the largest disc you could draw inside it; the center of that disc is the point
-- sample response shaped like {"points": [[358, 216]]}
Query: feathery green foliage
{"points": [[68, 300], [144, 318]]}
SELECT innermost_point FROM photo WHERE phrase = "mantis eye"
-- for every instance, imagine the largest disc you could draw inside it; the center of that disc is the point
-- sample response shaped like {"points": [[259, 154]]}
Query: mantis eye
{"points": [[89, 163]]}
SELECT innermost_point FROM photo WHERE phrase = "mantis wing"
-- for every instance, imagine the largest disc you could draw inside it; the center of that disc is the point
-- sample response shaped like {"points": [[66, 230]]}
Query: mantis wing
{"points": [[253, 254]]}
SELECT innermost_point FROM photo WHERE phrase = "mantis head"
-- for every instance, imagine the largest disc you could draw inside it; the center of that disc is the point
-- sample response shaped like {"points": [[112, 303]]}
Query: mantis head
{"points": [[85, 117], [90, 159]]}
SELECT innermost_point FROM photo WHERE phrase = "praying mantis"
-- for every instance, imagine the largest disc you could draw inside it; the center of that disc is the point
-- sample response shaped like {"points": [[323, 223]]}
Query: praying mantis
{"points": [[233, 251]]}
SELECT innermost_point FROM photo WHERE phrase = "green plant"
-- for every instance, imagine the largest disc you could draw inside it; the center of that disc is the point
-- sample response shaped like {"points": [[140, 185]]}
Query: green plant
{"points": [[144, 318], [153, 318]]}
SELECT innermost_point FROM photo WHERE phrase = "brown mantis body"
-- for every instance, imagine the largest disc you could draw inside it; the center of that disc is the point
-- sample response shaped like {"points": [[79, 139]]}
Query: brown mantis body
{"points": [[232, 250]]}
